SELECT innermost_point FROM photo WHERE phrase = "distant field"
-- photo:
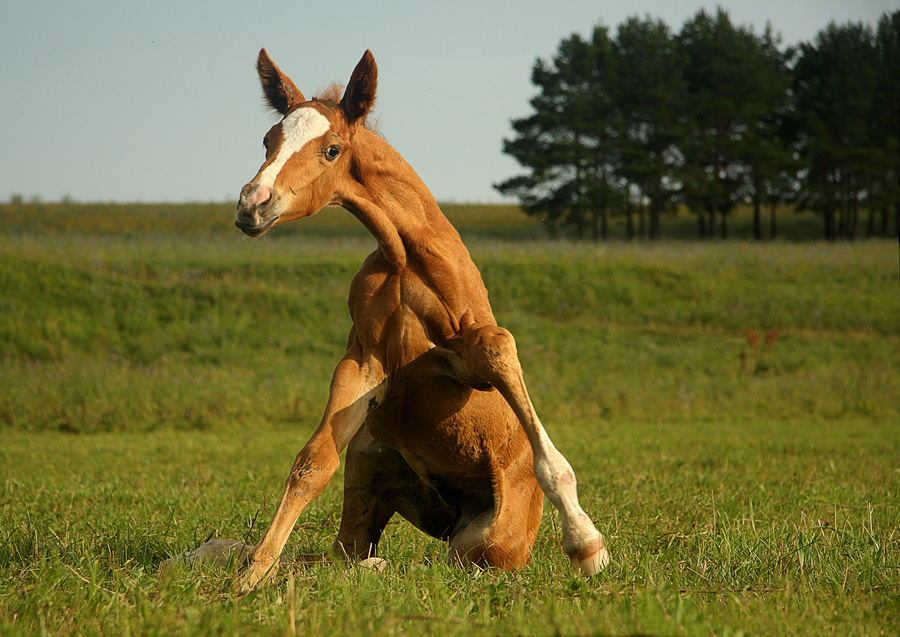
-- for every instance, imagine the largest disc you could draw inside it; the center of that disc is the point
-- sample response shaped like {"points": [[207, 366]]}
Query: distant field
{"points": [[731, 410], [472, 220], [497, 221]]}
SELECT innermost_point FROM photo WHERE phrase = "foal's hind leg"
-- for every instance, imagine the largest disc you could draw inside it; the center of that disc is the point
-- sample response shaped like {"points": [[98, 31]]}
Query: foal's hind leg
{"points": [[378, 482], [485, 355], [502, 536]]}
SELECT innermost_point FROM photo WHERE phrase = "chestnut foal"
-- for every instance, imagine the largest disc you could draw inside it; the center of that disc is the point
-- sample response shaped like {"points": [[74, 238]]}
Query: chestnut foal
{"points": [[429, 399]]}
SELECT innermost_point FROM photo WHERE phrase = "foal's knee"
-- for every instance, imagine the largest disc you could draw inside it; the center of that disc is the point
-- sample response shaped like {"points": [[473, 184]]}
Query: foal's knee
{"points": [[491, 352], [489, 542], [313, 467]]}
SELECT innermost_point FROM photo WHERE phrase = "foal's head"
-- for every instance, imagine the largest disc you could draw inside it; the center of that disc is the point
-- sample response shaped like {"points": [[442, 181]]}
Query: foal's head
{"points": [[307, 152]]}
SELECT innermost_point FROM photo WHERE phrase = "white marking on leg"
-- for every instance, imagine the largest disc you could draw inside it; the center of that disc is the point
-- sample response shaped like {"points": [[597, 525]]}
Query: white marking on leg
{"points": [[583, 543]]}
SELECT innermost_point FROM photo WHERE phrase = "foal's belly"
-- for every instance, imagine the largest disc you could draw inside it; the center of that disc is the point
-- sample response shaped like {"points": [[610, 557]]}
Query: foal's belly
{"points": [[445, 429]]}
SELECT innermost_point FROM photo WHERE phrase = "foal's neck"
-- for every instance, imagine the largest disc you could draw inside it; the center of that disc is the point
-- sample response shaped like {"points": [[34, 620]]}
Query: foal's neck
{"points": [[393, 203]]}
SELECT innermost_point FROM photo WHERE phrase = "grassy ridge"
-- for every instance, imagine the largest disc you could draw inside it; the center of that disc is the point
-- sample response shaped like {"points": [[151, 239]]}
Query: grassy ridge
{"points": [[115, 334], [730, 409]]}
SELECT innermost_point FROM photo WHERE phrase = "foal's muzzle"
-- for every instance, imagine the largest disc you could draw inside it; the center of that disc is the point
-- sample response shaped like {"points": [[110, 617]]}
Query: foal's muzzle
{"points": [[255, 214]]}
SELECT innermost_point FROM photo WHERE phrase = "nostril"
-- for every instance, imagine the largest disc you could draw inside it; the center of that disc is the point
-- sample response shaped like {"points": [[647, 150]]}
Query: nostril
{"points": [[260, 195]]}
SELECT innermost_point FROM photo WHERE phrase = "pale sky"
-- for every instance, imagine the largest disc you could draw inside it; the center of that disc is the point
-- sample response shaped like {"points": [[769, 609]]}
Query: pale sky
{"points": [[158, 100]]}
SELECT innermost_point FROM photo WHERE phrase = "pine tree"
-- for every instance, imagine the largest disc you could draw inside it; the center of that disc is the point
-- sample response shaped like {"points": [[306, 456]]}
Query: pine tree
{"points": [[886, 123], [733, 85], [712, 117], [567, 145], [765, 147], [649, 93], [835, 84]]}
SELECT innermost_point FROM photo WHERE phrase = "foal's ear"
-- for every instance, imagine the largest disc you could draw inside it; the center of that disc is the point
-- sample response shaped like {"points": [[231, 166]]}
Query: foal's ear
{"points": [[360, 94], [279, 91]]}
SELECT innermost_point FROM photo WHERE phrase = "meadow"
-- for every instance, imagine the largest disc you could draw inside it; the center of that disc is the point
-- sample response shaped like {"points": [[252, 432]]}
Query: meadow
{"points": [[731, 410]]}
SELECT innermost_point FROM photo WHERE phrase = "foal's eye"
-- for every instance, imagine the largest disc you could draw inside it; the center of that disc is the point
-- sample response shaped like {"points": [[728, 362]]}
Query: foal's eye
{"points": [[266, 143], [332, 152]]}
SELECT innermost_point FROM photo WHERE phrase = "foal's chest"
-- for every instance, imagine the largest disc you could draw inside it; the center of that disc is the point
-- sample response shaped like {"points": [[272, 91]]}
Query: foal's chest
{"points": [[397, 315]]}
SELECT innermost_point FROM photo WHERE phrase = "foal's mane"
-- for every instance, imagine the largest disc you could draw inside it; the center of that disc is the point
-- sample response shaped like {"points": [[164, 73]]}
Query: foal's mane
{"points": [[332, 94]]}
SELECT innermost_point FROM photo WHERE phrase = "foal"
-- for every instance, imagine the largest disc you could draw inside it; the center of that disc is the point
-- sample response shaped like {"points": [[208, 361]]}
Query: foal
{"points": [[429, 399]]}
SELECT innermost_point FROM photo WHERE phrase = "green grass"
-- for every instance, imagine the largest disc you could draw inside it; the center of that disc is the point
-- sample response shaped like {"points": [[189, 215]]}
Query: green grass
{"points": [[159, 374], [715, 528]]}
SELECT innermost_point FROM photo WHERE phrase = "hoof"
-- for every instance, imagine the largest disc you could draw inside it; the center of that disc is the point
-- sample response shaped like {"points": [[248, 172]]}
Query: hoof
{"points": [[593, 562], [376, 564], [254, 575], [214, 552]]}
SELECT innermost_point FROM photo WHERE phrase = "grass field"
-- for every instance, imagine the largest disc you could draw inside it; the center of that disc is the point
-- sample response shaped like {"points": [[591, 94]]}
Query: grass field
{"points": [[731, 410]]}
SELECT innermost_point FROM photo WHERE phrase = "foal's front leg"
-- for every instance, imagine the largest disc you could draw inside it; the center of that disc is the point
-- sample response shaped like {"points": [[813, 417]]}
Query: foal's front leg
{"points": [[357, 386]]}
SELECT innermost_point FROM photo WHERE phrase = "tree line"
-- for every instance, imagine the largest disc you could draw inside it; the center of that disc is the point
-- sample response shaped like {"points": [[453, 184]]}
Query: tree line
{"points": [[648, 122]]}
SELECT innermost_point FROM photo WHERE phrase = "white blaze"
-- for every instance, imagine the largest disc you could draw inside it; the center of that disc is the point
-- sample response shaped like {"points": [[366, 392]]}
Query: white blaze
{"points": [[297, 130]]}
